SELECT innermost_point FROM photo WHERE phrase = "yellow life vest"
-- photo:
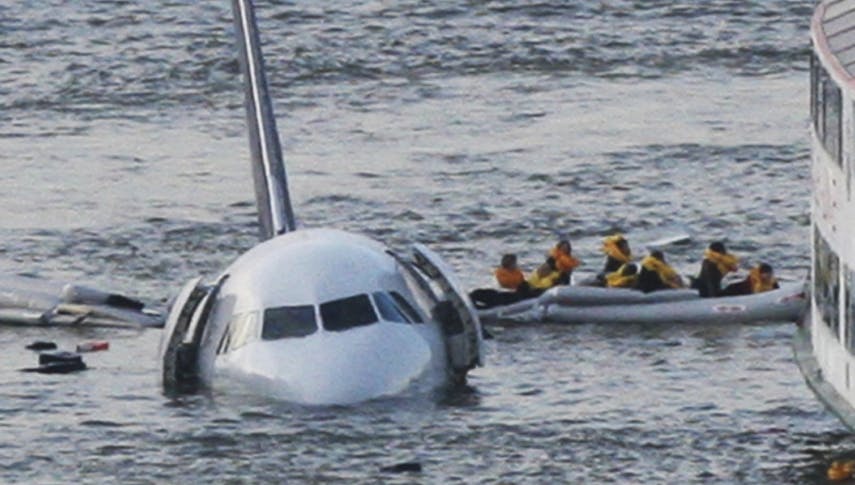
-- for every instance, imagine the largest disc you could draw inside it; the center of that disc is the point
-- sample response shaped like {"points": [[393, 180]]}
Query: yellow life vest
{"points": [[666, 273], [543, 282], [610, 247], [617, 280], [725, 263], [757, 283]]}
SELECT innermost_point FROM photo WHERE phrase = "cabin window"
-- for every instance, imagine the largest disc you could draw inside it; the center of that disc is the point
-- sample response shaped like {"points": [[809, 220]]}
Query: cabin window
{"points": [[242, 330], [346, 313], [288, 322], [826, 281]]}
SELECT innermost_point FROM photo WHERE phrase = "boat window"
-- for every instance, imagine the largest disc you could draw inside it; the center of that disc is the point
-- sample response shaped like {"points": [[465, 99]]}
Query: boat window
{"points": [[346, 313], [826, 282], [408, 309], [832, 108], [242, 330], [388, 309], [816, 80], [288, 322], [850, 309]]}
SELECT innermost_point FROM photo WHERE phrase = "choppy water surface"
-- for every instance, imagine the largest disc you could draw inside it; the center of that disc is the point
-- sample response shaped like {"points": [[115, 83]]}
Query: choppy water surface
{"points": [[474, 127]]}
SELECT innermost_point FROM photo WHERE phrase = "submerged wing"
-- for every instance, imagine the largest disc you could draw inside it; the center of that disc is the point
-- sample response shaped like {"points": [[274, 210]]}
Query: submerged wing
{"points": [[271, 186]]}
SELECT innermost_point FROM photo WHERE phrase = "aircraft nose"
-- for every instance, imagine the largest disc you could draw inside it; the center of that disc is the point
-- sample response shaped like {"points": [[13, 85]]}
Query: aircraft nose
{"points": [[357, 365]]}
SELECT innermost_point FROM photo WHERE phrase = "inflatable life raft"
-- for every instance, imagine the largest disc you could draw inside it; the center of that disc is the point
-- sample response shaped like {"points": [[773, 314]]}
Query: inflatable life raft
{"points": [[588, 304], [32, 301]]}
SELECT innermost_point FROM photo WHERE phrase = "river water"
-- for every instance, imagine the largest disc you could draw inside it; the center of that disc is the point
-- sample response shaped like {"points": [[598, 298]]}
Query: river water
{"points": [[474, 127]]}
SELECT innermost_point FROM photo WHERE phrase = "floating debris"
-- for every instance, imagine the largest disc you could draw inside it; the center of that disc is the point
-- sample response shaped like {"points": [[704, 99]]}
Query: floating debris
{"points": [[93, 346], [42, 345], [60, 362], [408, 466]]}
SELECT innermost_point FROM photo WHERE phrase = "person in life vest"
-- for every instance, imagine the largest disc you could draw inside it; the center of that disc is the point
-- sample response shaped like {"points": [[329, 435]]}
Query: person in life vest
{"points": [[544, 277], [761, 278], [565, 262], [716, 264], [625, 277], [618, 253], [656, 274], [510, 277]]}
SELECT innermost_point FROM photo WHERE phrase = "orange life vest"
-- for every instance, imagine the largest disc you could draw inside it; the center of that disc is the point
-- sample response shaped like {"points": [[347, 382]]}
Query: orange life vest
{"points": [[563, 261], [509, 278]]}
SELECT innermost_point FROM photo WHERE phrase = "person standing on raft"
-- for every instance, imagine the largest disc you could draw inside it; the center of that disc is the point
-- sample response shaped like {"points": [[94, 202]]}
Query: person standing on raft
{"points": [[618, 253], [656, 274], [565, 262], [716, 264]]}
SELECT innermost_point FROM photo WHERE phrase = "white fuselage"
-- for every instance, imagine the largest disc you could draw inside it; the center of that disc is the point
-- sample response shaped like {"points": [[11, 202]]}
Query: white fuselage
{"points": [[322, 317]]}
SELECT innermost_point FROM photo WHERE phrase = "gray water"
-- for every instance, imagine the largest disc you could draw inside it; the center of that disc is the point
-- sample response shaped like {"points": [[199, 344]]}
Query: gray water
{"points": [[474, 127]]}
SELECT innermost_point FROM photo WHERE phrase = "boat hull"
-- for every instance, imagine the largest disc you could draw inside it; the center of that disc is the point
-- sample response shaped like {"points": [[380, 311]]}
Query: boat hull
{"points": [[787, 303], [815, 379]]}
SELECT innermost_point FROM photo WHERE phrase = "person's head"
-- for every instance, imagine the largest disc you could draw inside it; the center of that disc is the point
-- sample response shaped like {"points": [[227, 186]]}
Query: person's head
{"points": [[547, 267], [623, 245], [718, 247], [509, 261], [550, 263], [657, 254], [564, 246], [765, 273], [629, 269]]}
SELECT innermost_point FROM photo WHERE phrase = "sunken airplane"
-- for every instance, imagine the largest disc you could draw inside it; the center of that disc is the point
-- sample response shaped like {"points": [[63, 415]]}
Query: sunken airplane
{"points": [[315, 316]]}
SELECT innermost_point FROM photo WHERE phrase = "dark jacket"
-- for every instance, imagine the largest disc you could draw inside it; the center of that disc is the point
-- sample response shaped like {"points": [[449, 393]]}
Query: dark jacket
{"points": [[650, 281], [708, 282], [612, 265]]}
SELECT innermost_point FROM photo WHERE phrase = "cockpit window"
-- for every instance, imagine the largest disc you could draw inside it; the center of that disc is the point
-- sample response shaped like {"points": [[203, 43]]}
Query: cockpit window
{"points": [[353, 311], [288, 322], [408, 309], [388, 309]]}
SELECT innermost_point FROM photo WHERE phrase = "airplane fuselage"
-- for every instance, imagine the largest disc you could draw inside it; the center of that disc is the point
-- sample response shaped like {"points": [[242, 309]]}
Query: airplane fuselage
{"points": [[323, 316]]}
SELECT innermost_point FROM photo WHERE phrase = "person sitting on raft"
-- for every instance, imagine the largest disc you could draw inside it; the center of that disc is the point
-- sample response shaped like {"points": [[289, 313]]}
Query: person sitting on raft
{"points": [[565, 262], [656, 274], [508, 274], [618, 253], [625, 277], [544, 277], [761, 278], [510, 277], [716, 264]]}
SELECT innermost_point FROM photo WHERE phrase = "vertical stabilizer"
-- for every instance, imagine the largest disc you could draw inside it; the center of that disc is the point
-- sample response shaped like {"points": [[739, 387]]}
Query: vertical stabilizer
{"points": [[271, 186]]}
